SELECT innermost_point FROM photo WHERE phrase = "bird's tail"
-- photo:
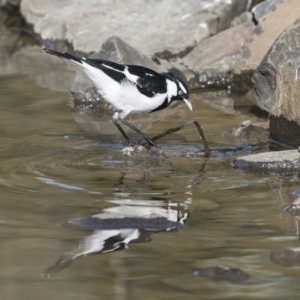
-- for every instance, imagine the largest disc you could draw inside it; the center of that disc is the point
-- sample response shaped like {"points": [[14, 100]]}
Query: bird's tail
{"points": [[72, 58]]}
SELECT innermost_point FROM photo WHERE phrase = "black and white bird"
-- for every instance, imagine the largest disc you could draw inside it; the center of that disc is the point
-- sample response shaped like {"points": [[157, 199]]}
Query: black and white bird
{"points": [[130, 89]]}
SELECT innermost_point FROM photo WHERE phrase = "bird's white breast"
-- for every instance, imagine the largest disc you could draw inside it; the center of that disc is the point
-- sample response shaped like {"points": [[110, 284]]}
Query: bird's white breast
{"points": [[131, 100]]}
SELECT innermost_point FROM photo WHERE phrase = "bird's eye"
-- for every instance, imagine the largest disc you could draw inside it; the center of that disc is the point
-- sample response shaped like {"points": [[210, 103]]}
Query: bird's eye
{"points": [[180, 92]]}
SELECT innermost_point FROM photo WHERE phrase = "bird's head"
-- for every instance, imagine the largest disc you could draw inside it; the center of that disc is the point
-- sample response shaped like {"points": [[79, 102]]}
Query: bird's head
{"points": [[182, 90]]}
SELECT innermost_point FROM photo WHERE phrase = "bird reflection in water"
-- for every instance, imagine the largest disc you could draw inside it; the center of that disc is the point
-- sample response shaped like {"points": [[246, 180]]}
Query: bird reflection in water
{"points": [[117, 226]]}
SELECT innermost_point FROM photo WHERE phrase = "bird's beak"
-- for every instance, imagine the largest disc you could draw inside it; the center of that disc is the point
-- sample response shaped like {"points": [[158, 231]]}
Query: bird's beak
{"points": [[188, 103]]}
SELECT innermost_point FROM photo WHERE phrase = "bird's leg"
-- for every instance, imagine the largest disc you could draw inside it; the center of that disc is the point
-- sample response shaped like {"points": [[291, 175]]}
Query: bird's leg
{"points": [[199, 128], [115, 121], [143, 135]]}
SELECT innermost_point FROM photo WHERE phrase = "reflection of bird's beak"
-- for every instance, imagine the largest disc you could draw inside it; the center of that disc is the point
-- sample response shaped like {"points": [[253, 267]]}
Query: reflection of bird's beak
{"points": [[188, 103]]}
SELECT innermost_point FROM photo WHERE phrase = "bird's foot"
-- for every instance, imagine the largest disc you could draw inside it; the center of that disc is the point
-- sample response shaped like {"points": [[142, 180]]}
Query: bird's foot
{"points": [[132, 144], [148, 143], [151, 144]]}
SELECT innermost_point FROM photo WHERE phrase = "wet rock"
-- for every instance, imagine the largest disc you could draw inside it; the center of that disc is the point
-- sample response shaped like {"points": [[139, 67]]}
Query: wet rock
{"points": [[136, 151], [277, 87], [256, 115], [288, 257], [284, 131], [246, 45], [248, 134], [143, 24], [143, 156], [9, 40], [286, 162], [219, 273]]}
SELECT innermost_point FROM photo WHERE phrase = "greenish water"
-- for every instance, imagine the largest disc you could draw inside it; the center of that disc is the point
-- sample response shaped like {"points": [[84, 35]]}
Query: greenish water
{"points": [[53, 171]]}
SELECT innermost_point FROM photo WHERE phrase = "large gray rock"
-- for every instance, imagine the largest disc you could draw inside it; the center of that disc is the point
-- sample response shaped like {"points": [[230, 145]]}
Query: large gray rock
{"points": [[231, 57], [277, 86], [48, 71], [166, 28]]}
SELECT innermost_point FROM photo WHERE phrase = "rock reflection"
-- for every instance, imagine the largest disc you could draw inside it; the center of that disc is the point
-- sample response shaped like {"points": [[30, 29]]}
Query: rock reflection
{"points": [[117, 226], [291, 216]]}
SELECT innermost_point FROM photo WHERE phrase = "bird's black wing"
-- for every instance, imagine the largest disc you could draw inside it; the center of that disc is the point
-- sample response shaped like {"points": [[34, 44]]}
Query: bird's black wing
{"points": [[149, 82], [111, 69]]}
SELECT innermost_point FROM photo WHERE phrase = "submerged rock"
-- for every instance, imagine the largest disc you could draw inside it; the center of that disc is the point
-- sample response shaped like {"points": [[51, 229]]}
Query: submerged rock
{"points": [[288, 257], [219, 273], [248, 134], [287, 162]]}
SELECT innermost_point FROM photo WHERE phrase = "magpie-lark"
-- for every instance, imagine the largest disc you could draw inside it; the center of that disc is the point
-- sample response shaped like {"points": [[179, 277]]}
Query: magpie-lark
{"points": [[130, 88]]}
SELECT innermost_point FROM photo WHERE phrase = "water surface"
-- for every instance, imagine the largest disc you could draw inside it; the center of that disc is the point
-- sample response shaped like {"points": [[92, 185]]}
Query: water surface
{"points": [[52, 171]]}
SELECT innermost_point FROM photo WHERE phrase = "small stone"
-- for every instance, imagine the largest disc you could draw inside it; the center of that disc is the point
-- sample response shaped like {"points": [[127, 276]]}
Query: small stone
{"points": [[288, 257], [219, 273]]}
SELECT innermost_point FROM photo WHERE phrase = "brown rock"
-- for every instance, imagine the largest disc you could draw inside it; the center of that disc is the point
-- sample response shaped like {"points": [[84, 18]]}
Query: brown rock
{"points": [[231, 57], [277, 86]]}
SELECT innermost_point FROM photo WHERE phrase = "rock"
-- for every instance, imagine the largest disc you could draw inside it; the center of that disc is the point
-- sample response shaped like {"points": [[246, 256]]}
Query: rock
{"points": [[277, 87], [6, 3], [288, 257], [9, 42], [246, 45], [223, 100], [219, 273], [284, 131], [248, 134], [212, 63], [54, 73], [280, 162], [164, 28], [48, 71], [245, 17]]}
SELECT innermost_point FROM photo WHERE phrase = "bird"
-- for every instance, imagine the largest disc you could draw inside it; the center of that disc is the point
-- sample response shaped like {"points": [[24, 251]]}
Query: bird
{"points": [[130, 88]]}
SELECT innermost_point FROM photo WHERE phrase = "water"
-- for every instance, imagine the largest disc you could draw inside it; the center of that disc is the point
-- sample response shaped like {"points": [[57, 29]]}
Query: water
{"points": [[52, 171]]}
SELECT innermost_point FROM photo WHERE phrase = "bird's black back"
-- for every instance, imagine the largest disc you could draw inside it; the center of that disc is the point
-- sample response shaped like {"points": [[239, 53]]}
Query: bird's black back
{"points": [[148, 82]]}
